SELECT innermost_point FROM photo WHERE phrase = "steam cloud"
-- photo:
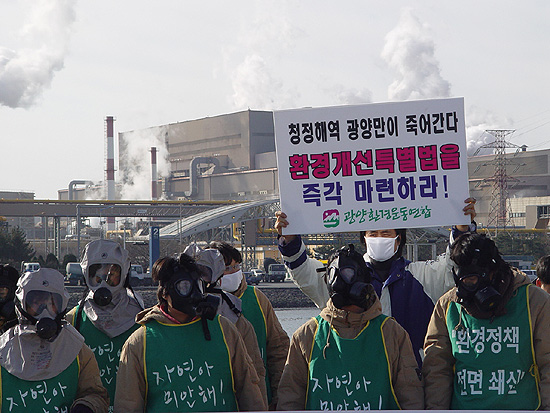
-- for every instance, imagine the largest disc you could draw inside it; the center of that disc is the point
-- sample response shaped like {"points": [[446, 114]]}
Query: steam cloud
{"points": [[410, 53], [478, 122], [135, 163], [25, 73], [349, 96], [254, 84]]}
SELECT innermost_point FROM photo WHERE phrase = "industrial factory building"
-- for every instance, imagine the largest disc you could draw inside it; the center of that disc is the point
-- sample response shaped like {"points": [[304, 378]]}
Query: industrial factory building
{"points": [[217, 158], [524, 176]]}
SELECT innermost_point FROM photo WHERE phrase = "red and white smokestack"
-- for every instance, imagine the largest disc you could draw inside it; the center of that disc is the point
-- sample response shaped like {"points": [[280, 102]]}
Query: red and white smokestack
{"points": [[110, 167], [154, 177]]}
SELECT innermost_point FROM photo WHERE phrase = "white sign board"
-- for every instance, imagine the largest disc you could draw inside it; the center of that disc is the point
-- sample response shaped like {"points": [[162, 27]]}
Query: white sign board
{"points": [[375, 166]]}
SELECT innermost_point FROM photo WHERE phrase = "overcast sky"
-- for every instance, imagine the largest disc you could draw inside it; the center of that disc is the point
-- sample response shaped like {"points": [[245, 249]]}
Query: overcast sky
{"points": [[65, 65]]}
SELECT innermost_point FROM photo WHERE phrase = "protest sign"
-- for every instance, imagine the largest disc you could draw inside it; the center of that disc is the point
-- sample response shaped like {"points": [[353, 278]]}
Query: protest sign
{"points": [[374, 166]]}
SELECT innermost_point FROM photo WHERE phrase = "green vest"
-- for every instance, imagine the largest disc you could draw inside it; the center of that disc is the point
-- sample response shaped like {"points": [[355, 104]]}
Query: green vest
{"points": [[106, 351], [356, 372], [253, 312], [51, 395], [184, 371], [494, 359]]}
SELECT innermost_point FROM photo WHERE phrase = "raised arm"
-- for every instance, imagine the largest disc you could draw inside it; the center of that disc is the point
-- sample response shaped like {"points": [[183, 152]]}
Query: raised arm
{"points": [[303, 269]]}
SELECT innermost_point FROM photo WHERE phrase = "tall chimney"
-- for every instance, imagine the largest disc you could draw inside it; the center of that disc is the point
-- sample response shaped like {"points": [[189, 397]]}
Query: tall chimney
{"points": [[154, 177], [110, 166]]}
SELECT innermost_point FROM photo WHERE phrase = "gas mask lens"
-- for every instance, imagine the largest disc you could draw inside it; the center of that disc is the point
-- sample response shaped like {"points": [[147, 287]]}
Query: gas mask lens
{"points": [[38, 301], [110, 273], [183, 287], [347, 274], [184, 282], [469, 279]]}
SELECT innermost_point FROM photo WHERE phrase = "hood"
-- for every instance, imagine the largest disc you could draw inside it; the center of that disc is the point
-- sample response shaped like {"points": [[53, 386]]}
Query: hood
{"points": [[105, 252], [45, 279], [209, 260]]}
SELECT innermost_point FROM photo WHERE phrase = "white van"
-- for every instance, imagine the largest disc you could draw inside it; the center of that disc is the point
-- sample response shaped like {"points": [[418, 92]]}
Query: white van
{"points": [[29, 267], [139, 277]]}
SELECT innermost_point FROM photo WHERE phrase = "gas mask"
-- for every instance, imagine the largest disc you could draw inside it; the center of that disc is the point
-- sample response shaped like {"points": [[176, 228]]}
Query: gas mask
{"points": [[43, 309], [474, 285], [348, 279], [187, 294], [42, 301], [102, 279], [105, 265], [381, 248]]}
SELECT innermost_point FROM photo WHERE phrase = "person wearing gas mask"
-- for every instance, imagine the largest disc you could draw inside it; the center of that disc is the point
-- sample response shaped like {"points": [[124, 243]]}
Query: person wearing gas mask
{"points": [[185, 357], [212, 265], [407, 290], [256, 307], [44, 361], [487, 344], [351, 356], [8, 281], [106, 314]]}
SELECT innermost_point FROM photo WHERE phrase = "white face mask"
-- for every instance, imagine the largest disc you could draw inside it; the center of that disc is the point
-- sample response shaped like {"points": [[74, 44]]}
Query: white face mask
{"points": [[231, 282], [381, 248]]}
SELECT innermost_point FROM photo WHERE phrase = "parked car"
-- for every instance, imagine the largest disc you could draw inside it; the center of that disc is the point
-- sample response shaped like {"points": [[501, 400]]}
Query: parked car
{"points": [[276, 273], [532, 274], [29, 267], [258, 273], [74, 275], [139, 277], [251, 278]]}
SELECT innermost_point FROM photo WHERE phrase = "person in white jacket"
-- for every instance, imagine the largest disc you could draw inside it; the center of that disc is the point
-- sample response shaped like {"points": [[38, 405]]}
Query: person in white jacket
{"points": [[408, 290]]}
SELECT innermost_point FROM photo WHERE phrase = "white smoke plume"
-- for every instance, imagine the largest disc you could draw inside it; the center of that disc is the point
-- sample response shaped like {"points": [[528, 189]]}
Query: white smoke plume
{"points": [[350, 96], [25, 73], [255, 87], [478, 121], [95, 191], [134, 175], [410, 53], [254, 84]]}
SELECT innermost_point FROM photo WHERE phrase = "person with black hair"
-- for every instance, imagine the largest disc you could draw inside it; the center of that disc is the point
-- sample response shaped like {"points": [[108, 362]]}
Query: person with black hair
{"points": [[487, 344], [543, 273], [256, 307], [185, 357], [212, 265], [407, 290], [44, 360], [106, 314], [351, 356], [8, 281]]}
